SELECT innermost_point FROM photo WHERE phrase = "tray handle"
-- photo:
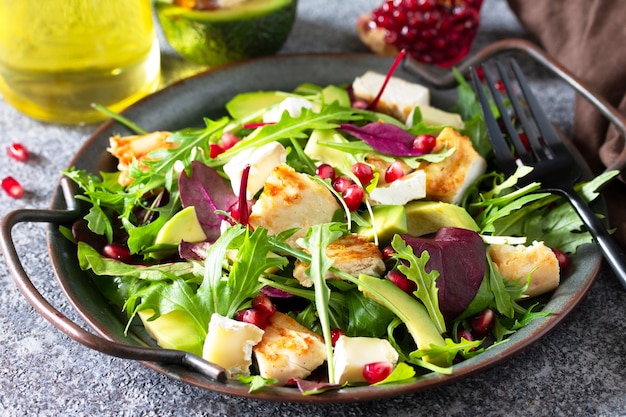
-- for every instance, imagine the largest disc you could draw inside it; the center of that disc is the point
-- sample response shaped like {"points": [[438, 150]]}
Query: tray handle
{"points": [[63, 323], [445, 79]]}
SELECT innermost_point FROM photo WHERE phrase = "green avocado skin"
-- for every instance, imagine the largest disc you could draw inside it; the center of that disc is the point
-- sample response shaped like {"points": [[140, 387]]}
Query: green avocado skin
{"points": [[227, 37]]}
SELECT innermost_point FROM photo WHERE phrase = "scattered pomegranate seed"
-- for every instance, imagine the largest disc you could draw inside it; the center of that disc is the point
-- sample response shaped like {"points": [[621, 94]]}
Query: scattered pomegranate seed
{"points": [[12, 187], [482, 323], [253, 316], [335, 334], [341, 183], [353, 196], [363, 172], [229, 140], [264, 303], [325, 171], [401, 281], [424, 143], [500, 86], [394, 172], [17, 151], [215, 150], [118, 252], [562, 257], [377, 371]]}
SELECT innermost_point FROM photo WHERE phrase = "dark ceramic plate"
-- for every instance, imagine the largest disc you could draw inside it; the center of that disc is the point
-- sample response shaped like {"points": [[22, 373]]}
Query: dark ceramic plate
{"points": [[185, 104]]}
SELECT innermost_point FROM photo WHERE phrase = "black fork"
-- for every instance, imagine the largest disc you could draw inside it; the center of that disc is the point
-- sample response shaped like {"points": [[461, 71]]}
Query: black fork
{"points": [[543, 149]]}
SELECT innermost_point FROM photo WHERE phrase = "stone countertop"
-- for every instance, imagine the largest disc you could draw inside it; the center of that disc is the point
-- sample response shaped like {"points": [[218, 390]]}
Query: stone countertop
{"points": [[579, 369]]}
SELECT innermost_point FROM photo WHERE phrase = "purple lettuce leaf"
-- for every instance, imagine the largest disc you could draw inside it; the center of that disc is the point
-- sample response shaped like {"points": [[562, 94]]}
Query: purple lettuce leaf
{"points": [[460, 257], [384, 138], [207, 192]]}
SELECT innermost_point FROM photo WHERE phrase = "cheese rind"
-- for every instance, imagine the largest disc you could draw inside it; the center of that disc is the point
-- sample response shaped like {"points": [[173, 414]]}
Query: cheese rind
{"points": [[229, 344]]}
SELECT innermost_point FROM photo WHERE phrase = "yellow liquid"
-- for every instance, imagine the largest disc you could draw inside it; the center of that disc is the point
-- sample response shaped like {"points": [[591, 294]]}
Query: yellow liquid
{"points": [[58, 57]]}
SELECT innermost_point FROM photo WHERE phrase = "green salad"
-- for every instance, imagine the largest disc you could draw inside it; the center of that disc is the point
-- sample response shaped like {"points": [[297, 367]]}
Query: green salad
{"points": [[325, 237]]}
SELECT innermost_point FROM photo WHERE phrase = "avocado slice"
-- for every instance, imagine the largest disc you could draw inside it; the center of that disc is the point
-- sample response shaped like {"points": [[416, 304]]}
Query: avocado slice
{"points": [[333, 93], [245, 104], [408, 309], [184, 225], [173, 330], [218, 36], [388, 221], [337, 159], [425, 217]]}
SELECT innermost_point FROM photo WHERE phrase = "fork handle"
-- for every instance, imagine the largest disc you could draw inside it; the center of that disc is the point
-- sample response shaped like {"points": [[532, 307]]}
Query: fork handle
{"points": [[609, 248]]}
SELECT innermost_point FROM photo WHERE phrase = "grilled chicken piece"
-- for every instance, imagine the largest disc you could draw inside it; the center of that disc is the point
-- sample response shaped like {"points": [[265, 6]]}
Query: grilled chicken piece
{"points": [[448, 180], [288, 350], [518, 262], [130, 148], [352, 254], [292, 200]]}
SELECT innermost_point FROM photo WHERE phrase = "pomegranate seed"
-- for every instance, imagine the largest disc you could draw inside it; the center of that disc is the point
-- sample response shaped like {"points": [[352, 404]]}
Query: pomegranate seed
{"points": [[325, 172], [18, 152], [253, 316], [465, 334], [377, 371], [341, 183], [363, 172], [12, 187], [264, 303], [401, 281], [335, 334], [562, 257], [215, 150], [482, 323], [353, 196], [360, 104], [387, 252], [118, 252], [424, 143], [500, 86], [229, 140], [394, 172]]}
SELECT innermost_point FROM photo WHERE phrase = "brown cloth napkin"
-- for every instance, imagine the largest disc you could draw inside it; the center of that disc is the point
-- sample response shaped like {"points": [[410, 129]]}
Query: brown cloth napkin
{"points": [[588, 37]]}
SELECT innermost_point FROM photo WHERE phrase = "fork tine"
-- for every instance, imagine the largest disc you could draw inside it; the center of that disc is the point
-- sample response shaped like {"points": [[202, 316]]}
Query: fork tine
{"points": [[504, 156], [520, 149], [527, 126], [549, 135]]}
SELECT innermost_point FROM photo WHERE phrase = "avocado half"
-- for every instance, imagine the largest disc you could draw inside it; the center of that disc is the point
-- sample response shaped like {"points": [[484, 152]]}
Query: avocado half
{"points": [[251, 29]]}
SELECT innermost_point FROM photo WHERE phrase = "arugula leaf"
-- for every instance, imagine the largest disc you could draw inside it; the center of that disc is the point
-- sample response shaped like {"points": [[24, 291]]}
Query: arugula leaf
{"points": [[288, 127], [402, 373], [317, 239], [449, 351], [427, 291], [257, 382], [89, 258]]}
